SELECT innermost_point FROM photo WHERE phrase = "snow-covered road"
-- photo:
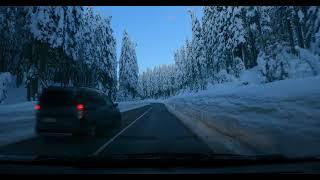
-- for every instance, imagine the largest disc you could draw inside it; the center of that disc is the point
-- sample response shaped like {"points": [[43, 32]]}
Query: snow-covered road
{"points": [[280, 117]]}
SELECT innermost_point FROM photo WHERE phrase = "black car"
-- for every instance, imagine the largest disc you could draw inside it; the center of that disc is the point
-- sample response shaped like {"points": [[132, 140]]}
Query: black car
{"points": [[76, 111]]}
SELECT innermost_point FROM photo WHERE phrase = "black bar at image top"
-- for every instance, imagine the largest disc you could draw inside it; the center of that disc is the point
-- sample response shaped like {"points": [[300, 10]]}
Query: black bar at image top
{"points": [[156, 2]]}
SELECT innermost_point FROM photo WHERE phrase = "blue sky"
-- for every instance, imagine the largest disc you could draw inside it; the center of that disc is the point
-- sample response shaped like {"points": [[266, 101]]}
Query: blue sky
{"points": [[157, 30]]}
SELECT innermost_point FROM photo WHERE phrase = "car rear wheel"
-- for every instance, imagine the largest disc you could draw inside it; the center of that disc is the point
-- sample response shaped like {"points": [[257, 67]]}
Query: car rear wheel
{"points": [[92, 131]]}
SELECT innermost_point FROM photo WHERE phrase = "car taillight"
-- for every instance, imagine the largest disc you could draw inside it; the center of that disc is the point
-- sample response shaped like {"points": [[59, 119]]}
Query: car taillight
{"points": [[37, 107], [80, 107]]}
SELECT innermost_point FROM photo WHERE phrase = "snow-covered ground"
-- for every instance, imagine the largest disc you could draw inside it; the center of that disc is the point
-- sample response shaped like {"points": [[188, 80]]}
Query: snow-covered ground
{"points": [[17, 120], [279, 117], [16, 95]]}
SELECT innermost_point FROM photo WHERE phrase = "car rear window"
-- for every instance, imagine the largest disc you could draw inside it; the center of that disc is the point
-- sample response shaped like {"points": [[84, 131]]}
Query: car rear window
{"points": [[57, 98], [90, 98]]}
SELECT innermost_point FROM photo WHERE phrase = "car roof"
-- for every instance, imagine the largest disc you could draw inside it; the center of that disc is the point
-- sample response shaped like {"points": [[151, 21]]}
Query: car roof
{"points": [[52, 88], [86, 89]]}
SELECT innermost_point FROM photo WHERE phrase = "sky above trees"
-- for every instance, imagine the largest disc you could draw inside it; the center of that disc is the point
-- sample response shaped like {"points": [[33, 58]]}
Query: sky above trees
{"points": [[158, 31]]}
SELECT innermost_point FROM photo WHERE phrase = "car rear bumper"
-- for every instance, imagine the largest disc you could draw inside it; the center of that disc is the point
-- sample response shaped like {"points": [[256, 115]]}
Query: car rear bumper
{"points": [[59, 132], [74, 127]]}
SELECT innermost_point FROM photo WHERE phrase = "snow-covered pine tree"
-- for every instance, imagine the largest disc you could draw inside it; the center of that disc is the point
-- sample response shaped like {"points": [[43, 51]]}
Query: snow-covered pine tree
{"points": [[58, 44], [134, 70], [159, 82], [210, 31], [40, 22], [234, 35], [128, 69], [311, 17], [179, 59], [10, 36], [198, 55], [110, 77], [256, 22], [225, 38], [87, 66], [189, 68]]}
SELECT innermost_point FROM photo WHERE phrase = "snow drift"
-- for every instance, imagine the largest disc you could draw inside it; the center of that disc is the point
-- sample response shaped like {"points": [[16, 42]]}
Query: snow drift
{"points": [[278, 117]]}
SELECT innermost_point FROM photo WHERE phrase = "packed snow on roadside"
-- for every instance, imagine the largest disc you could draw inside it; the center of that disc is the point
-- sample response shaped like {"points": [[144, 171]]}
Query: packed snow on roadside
{"points": [[16, 95], [16, 122], [16, 114], [5, 81], [9, 93], [278, 117], [284, 65]]}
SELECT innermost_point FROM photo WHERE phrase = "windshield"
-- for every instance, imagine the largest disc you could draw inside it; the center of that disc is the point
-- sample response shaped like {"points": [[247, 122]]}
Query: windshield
{"points": [[147, 81]]}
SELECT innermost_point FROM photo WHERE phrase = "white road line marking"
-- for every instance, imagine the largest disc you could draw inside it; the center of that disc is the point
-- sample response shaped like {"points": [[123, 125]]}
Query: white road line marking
{"points": [[117, 135]]}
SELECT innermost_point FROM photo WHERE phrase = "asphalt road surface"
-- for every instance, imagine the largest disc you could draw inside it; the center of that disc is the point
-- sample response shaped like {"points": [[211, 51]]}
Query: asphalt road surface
{"points": [[149, 129]]}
